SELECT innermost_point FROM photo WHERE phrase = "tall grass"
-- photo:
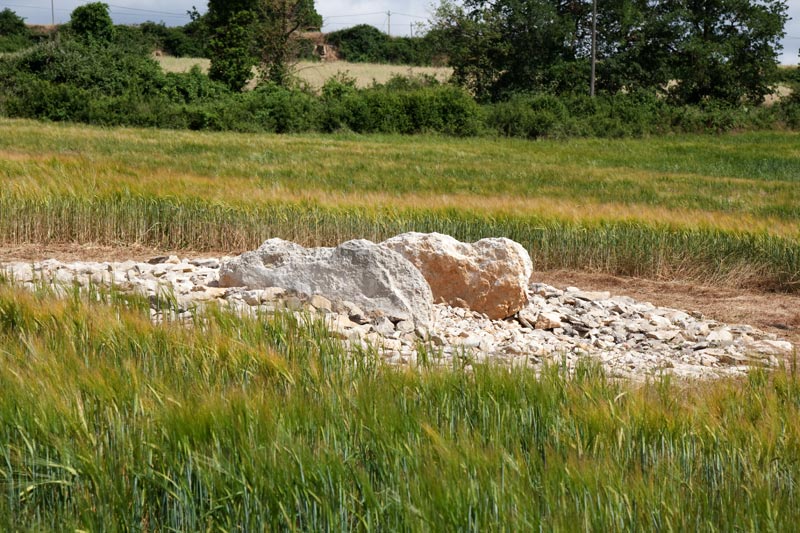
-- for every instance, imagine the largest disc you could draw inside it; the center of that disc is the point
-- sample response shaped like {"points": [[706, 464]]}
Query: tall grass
{"points": [[713, 209], [732, 182], [108, 422], [619, 247]]}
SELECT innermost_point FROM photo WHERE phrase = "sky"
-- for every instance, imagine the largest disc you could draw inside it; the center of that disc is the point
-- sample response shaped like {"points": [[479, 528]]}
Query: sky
{"points": [[337, 14]]}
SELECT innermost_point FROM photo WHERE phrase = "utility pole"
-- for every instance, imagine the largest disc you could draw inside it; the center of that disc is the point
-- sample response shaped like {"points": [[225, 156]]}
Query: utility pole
{"points": [[594, 45], [389, 24]]}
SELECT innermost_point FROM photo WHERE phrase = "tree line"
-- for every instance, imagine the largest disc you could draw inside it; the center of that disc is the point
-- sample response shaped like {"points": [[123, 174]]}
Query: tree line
{"points": [[689, 50], [99, 73]]}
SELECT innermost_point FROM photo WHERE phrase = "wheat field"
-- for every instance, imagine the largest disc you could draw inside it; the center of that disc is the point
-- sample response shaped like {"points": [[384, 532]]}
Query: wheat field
{"points": [[699, 208]]}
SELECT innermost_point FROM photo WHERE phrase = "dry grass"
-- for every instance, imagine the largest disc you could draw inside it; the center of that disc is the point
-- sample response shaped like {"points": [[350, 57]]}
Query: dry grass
{"points": [[781, 91], [317, 73]]}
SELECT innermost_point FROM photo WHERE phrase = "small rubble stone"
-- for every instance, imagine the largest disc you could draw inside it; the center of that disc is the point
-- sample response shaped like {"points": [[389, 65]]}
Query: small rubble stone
{"points": [[721, 337], [630, 339], [405, 326], [548, 320], [321, 303]]}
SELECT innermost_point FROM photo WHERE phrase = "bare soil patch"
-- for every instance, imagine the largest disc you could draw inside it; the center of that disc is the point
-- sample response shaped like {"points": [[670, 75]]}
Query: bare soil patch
{"points": [[86, 252], [778, 313]]}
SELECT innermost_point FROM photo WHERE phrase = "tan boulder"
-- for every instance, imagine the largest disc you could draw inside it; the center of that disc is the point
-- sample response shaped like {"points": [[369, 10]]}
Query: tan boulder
{"points": [[490, 276]]}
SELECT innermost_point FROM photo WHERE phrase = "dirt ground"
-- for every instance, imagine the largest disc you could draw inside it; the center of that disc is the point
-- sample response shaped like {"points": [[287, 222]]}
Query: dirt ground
{"points": [[774, 312]]}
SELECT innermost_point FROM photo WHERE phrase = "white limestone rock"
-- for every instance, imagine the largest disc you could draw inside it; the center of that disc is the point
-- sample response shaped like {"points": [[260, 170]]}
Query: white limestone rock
{"points": [[373, 277]]}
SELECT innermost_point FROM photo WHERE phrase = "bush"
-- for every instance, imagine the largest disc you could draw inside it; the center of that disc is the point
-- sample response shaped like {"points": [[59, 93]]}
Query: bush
{"points": [[282, 110], [110, 85], [192, 86], [108, 70], [337, 96], [529, 116], [14, 34], [11, 24], [401, 106], [42, 99], [366, 44], [178, 42], [14, 43], [91, 22]]}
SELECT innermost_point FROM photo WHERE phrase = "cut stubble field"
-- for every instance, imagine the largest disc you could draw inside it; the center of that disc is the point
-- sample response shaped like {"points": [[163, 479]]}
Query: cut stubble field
{"points": [[316, 73]]}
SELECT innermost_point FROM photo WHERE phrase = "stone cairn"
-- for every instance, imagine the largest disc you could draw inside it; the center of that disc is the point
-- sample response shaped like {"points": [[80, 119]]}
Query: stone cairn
{"points": [[430, 293]]}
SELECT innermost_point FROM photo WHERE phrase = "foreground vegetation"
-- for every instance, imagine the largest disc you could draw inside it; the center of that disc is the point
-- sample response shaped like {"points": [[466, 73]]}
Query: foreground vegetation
{"points": [[109, 422], [715, 209]]}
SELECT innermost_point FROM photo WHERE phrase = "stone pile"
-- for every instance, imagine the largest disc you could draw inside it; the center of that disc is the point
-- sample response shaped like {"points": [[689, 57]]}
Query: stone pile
{"points": [[548, 326]]}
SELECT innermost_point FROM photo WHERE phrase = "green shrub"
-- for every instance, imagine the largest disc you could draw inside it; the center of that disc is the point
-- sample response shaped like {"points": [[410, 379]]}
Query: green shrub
{"points": [[789, 110], [283, 110], [112, 84], [366, 44], [38, 98], [14, 34], [92, 23], [405, 106], [11, 23], [336, 95], [178, 42], [528, 116], [14, 43], [192, 86], [109, 70]]}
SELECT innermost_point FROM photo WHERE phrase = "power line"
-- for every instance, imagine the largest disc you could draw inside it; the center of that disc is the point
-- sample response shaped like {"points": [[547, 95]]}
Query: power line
{"points": [[407, 15], [42, 8], [115, 10], [149, 11], [355, 15]]}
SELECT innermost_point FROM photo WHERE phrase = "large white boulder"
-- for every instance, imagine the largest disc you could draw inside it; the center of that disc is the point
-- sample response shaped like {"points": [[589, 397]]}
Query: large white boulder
{"points": [[378, 280], [490, 276]]}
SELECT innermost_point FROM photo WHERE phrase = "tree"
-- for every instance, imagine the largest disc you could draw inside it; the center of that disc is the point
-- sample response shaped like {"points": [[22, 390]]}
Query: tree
{"points": [[11, 24], [232, 58], [271, 26], [14, 34], [91, 22], [281, 21], [474, 45], [504, 46], [710, 49], [729, 50]]}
